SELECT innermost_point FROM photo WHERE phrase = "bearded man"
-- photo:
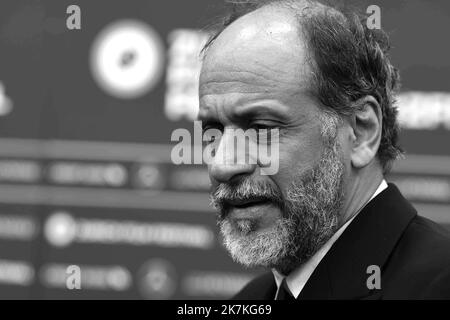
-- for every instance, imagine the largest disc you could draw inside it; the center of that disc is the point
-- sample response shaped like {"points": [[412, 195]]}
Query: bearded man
{"points": [[326, 224]]}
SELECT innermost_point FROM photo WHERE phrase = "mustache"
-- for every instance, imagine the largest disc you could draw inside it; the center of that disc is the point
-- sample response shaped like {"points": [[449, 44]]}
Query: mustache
{"points": [[243, 190]]}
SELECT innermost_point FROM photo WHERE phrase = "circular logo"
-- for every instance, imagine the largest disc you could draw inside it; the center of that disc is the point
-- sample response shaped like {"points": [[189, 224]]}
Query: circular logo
{"points": [[157, 279], [149, 176], [119, 278], [6, 104], [60, 229], [127, 59]]}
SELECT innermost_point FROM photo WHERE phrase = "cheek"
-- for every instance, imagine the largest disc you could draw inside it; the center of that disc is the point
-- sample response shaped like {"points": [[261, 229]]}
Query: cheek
{"points": [[296, 157]]}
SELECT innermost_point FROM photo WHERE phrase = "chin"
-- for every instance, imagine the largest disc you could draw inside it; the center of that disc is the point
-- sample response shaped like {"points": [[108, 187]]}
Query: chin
{"points": [[254, 246]]}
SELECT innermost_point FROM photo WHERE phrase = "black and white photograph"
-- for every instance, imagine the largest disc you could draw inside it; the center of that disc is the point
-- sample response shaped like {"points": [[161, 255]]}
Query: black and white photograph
{"points": [[215, 152]]}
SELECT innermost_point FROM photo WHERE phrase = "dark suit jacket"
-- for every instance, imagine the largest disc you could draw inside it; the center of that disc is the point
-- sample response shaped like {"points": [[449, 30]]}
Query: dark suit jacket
{"points": [[413, 254]]}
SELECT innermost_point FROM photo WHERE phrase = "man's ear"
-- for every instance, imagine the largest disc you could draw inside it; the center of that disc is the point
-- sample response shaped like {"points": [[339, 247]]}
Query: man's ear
{"points": [[367, 124]]}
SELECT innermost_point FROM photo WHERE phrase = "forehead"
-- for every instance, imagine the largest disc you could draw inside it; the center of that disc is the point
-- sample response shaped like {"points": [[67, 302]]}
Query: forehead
{"points": [[260, 56]]}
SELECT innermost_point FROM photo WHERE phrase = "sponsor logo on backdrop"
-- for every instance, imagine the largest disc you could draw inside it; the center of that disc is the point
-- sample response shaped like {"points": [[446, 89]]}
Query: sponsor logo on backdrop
{"points": [[60, 229], [157, 279], [13, 272], [127, 59], [6, 103], [183, 71], [424, 110], [86, 277]]}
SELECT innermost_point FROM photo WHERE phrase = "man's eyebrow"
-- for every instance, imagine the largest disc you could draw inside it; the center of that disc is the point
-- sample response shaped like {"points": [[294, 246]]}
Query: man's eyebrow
{"points": [[274, 109], [269, 108]]}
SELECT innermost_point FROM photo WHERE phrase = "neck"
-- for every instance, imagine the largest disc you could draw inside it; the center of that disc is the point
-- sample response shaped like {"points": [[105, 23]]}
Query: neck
{"points": [[359, 190]]}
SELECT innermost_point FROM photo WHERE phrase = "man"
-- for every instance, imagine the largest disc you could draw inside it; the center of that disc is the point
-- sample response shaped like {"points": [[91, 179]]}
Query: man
{"points": [[326, 223]]}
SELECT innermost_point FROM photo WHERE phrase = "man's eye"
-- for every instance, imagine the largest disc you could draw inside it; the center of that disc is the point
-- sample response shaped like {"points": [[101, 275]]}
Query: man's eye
{"points": [[263, 126], [211, 126], [209, 138], [259, 126], [211, 134], [266, 132]]}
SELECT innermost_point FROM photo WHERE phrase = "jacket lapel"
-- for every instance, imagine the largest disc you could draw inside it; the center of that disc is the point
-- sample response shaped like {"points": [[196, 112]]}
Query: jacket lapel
{"points": [[368, 240]]}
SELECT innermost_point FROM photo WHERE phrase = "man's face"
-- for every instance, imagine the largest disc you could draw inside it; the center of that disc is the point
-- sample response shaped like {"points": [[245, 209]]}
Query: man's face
{"points": [[255, 76]]}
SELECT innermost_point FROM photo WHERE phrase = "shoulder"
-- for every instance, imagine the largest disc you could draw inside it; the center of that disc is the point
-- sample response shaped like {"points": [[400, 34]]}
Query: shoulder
{"points": [[428, 239], [434, 248], [421, 261], [262, 287]]}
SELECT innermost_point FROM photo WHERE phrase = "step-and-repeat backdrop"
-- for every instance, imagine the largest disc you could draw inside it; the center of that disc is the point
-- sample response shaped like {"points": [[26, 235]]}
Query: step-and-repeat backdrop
{"points": [[89, 97]]}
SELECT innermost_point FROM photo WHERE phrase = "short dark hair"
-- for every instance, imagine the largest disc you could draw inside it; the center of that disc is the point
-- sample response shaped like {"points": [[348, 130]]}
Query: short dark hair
{"points": [[349, 61]]}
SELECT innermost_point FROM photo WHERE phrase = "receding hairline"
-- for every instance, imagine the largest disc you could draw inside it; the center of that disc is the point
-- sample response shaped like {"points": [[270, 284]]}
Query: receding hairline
{"points": [[284, 7], [301, 9]]}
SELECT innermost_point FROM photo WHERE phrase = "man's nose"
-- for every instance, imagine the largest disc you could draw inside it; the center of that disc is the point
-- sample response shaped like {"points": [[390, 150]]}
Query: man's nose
{"points": [[224, 173], [230, 162]]}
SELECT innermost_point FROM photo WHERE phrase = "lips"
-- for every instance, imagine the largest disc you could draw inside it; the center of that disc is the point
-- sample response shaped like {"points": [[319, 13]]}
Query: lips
{"points": [[245, 203], [262, 214]]}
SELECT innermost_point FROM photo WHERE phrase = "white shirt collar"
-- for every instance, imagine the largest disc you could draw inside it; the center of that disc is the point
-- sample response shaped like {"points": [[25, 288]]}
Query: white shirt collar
{"points": [[297, 279]]}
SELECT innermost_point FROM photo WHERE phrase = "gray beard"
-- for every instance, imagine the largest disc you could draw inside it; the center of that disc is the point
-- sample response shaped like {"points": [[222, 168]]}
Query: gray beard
{"points": [[311, 212]]}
